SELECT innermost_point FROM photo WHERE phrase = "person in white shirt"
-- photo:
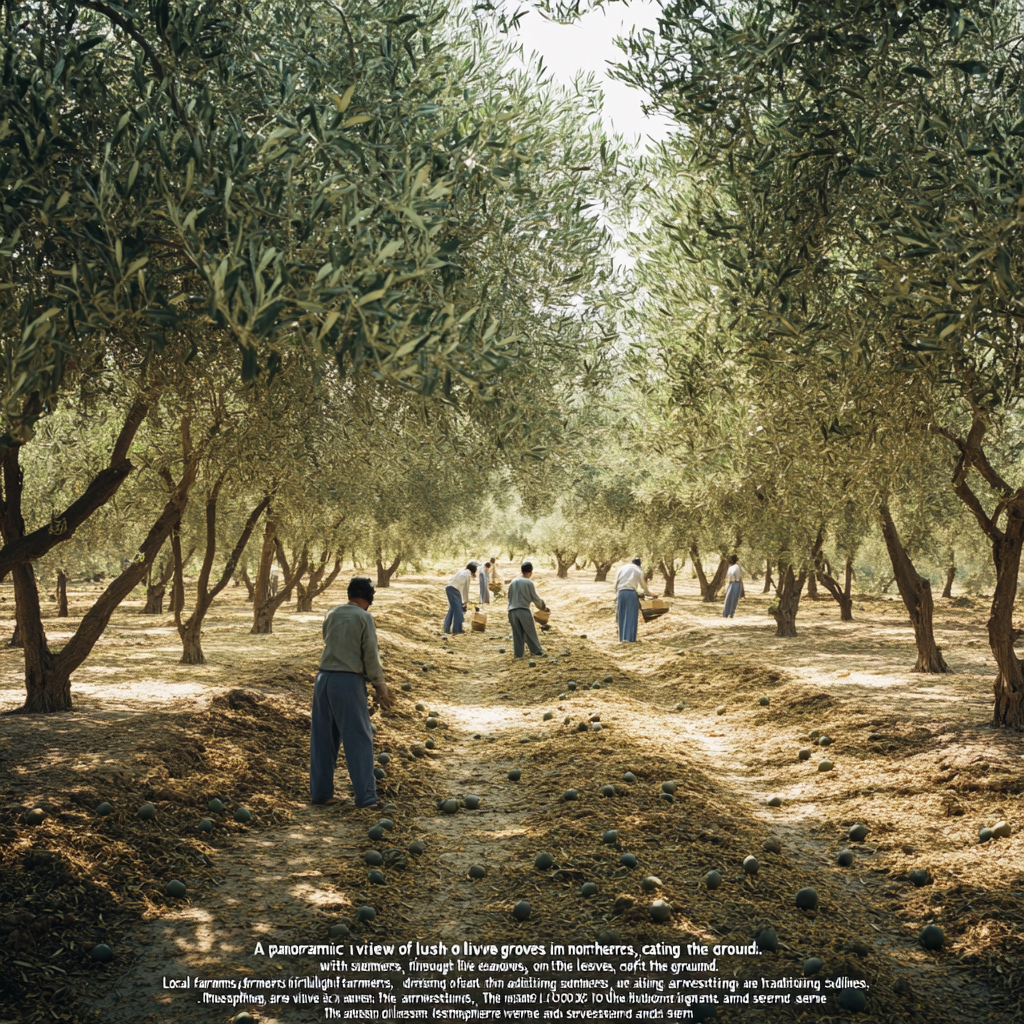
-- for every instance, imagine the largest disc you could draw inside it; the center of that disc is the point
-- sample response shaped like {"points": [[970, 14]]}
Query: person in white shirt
{"points": [[485, 578], [629, 584], [457, 592], [733, 588]]}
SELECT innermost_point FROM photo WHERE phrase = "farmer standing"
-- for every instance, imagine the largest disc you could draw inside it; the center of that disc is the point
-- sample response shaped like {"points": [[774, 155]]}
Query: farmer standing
{"points": [[629, 584], [351, 659], [733, 589], [457, 592], [485, 579], [521, 594]]}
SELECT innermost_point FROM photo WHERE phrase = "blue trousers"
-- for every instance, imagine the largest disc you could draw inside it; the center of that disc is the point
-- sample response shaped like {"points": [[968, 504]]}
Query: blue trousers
{"points": [[340, 718], [627, 611], [732, 598], [453, 620]]}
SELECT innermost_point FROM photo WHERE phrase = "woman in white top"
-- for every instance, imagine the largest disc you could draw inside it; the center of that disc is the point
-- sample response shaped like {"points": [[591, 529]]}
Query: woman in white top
{"points": [[457, 593], [733, 589], [485, 579]]}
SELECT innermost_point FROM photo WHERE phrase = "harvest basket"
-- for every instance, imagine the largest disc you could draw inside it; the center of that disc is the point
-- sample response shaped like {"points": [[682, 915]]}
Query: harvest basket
{"points": [[479, 621], [653, 608], [541, 617]]}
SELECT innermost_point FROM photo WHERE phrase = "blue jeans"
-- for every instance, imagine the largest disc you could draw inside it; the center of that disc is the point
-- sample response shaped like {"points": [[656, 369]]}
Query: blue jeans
{"points": [[453, 620], [627, 611], [340, 717]]}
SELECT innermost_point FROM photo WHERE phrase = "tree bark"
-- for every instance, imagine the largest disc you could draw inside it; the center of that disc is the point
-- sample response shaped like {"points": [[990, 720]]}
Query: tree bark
{"points": [[698, 568], [317, 582], [264, 606], [602, 569], [15, 641], [565, 562], [947, 590], [385, 572], [812, 587], [27, 547], [715, 584], [249, 585], [768, 577], [916, 592], [668, 570], [191, 630], [157, 586], [841, 594], [62, 594], [48, 675], [787, 601]]}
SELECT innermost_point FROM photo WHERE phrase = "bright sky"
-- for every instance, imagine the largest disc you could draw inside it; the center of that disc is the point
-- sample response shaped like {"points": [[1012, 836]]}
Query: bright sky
{"points": [[589, 46]]}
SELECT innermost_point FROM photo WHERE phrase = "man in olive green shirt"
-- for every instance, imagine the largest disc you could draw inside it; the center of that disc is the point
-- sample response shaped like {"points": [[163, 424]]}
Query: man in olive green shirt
{"points": [[340, 717]]}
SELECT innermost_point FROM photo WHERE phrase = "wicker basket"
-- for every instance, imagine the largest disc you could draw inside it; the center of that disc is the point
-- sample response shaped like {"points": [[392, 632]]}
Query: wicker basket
{"points": [[479, 622], [541, 617]]}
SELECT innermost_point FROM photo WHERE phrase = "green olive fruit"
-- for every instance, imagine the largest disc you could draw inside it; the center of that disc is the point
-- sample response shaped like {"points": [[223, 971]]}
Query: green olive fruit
{"points": [[416, 847], [37, 815], [812, 966], [668, 787], [515, 775], [386, 823], [374, 858], [763, 701], [775, 801], [767, 941], [588, 889], [629, 777], [338, 931], [429, 744], [804, 753], [245, 1017], [650, 883], [571, 685], [570, 794], [721, 709], [384, 758], [857, 833], [243, 814], [104, 809], [609, 937], [375, 833], [932, 937], [611, 836], [607, 791], [421, 707], [919, 877], [845, 858], [432, 723], [660, 910], [825, 741], [807, 899], [985, 835], [825, 765], [472, 802], [712, 879], [366, 913], [379, 774], [751, 866], [548, 715], [215, 805], [852, 1000], [147, 812], [628, 860], [375, 877], [521, 911], [543, 861], [477, 871], [205, 825], [175, 888], [501, 650], [450, 806], [533, 664], [102, 953], [814, 734], [417, 750]]}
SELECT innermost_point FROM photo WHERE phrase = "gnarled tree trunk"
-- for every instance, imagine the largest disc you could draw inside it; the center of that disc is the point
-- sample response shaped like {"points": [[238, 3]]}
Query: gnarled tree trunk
{"points": [[668, 570], [787, 601], [768, 578], [318, 583], [842, 594], [947, 590], [916, 592], [265, 606], [385, 572], [565, 562], [61, 593], [602, 570]]}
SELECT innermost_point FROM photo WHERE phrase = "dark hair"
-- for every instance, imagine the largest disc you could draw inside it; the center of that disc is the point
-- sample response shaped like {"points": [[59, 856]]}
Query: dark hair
{"points": [[487, 565], [471, 567], [526, 567], [636, 561], [360, 586], [733, 559]]}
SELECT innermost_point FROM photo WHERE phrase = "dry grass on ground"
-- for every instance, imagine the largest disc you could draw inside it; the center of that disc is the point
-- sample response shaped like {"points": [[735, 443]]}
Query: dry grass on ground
{"points": [[915, 760]]}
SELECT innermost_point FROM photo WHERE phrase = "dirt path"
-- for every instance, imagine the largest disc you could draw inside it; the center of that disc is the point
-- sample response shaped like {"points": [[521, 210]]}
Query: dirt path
{"points": [[914, 759]]}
